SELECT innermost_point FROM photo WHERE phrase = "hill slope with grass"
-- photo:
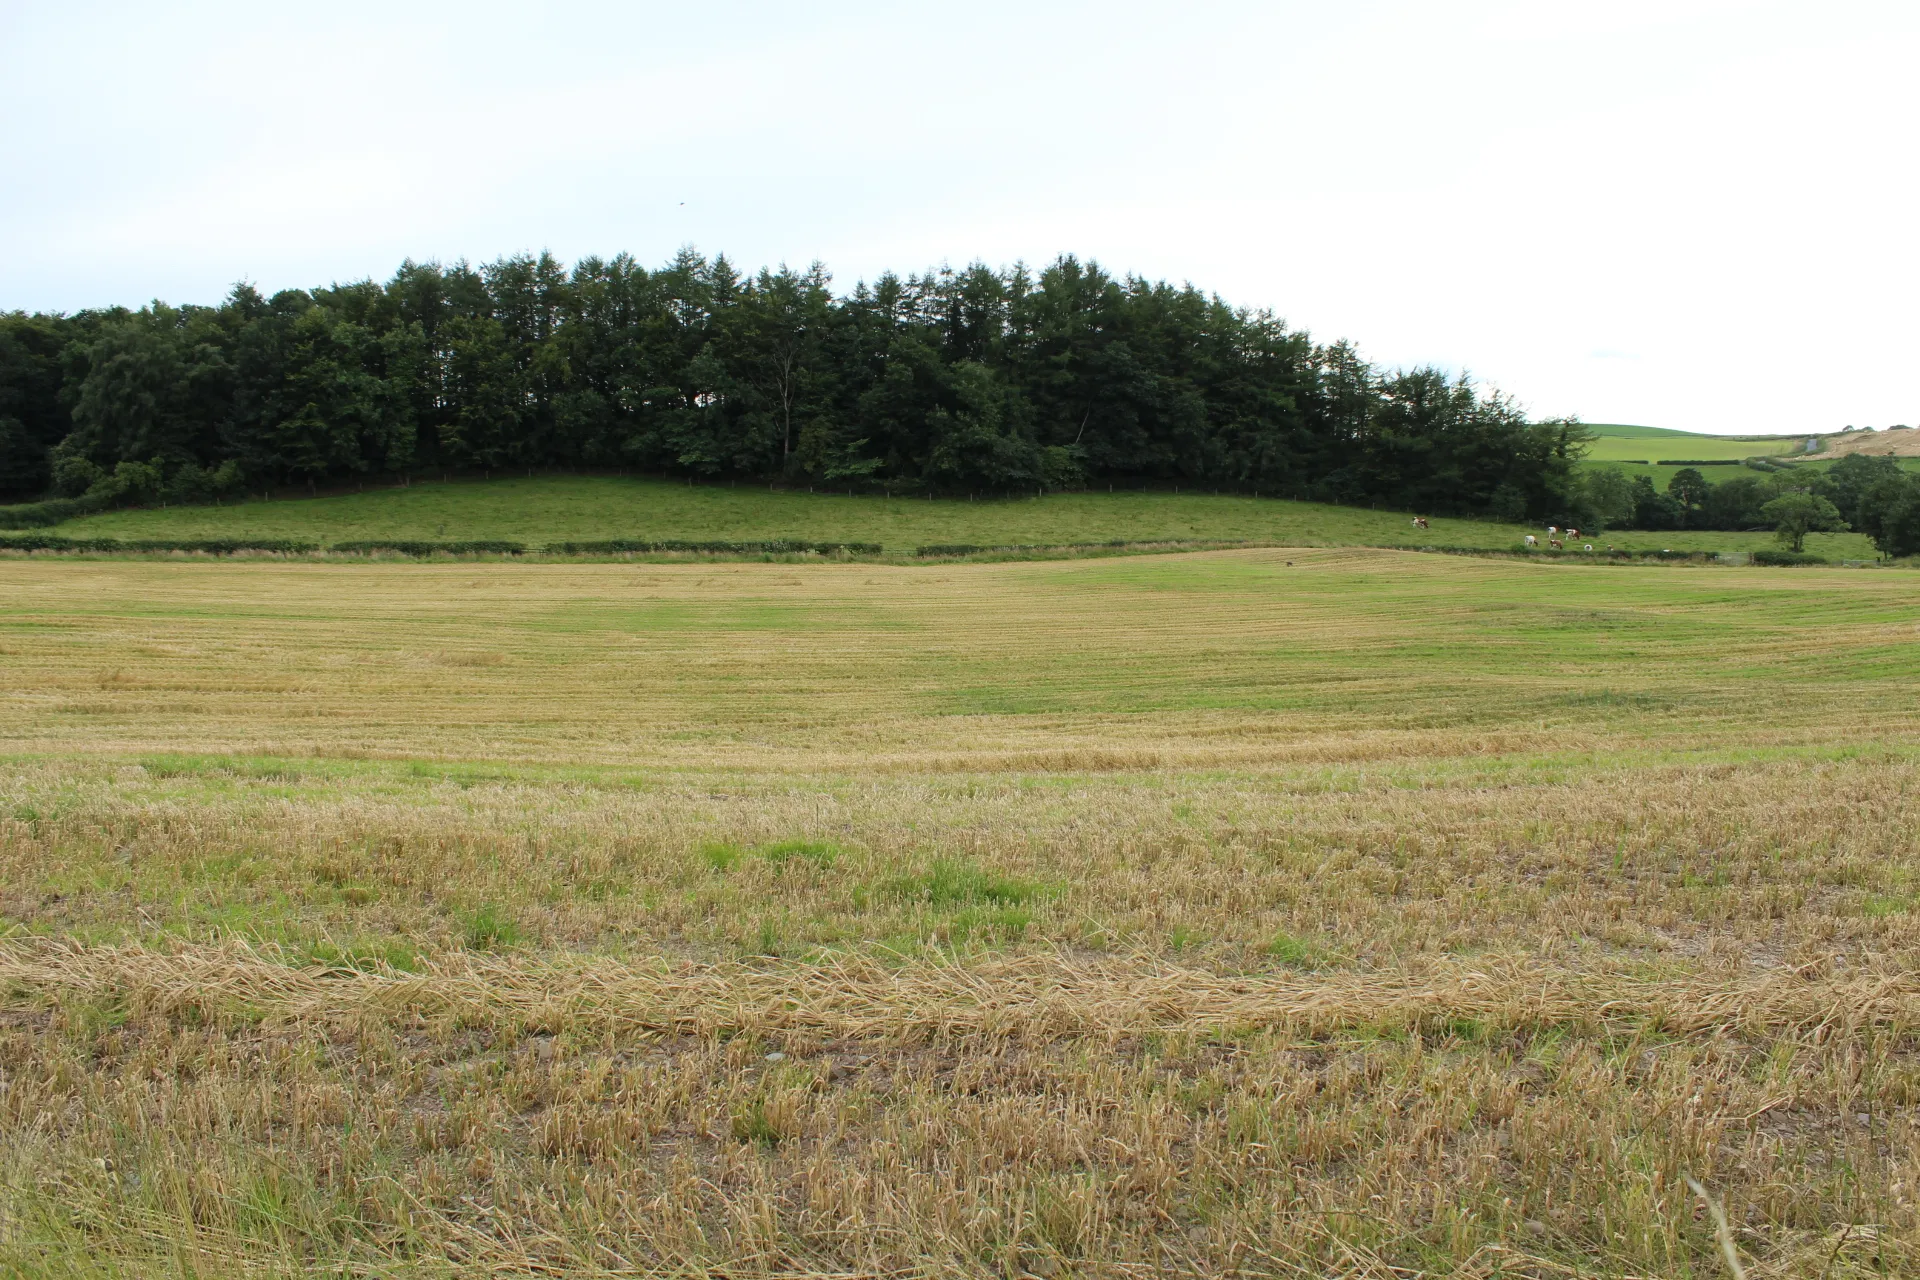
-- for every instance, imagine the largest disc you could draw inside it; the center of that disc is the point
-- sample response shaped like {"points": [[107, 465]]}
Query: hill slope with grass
{"points": [[547, 509], [1614, 442]]}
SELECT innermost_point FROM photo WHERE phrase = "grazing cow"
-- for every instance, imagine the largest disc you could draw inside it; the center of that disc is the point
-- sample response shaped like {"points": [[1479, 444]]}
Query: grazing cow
{"points": [[1553, 531], [1419, 522], [1556, 544], [1532, 541]]}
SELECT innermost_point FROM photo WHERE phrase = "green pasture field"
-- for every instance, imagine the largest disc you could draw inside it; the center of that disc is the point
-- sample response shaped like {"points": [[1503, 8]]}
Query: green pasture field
{"points": [[562, 508], [1663, 476], [547, 509], [1278, 912], [1620, 443], [1325, 636]]}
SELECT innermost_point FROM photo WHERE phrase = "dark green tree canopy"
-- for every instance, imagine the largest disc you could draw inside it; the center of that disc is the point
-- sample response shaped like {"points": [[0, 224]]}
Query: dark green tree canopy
{"points": [[975, 380], [1795, 515], [1889, 512], [1690, 489]]}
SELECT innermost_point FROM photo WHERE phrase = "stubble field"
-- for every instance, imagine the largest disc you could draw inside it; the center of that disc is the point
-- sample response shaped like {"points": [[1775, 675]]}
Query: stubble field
{"points": [[1259, 912]]}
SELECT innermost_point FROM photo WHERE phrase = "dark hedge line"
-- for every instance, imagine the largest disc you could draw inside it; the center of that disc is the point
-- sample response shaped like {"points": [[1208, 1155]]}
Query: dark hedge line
{"points": [[39, 515], [778, 546], [1698, 462], [620, 546], [968, 549], [206, 546], [405, 547]]}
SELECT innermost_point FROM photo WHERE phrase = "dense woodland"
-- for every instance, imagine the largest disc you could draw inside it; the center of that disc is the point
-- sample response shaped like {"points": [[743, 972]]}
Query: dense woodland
{"points": [[1865, 493], [954, 381]]}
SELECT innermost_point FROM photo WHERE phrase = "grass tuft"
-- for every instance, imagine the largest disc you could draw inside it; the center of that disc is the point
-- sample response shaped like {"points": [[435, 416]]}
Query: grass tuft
{"points": [[1296, 953], [766, 1121], [375, 957], [721, 857], [950, 883], [489, 928], [817, 853]]}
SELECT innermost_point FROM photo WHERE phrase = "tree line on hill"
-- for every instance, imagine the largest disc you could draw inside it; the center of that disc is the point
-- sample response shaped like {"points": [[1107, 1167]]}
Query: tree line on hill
{"points": [[1864, 492], [976, 380]]}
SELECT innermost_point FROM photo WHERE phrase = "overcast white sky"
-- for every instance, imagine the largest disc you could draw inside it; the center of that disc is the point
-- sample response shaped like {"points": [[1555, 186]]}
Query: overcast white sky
{"points": [[1686, 213]]}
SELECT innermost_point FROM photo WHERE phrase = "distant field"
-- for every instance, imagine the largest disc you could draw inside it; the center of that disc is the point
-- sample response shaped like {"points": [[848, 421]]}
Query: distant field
{"points": [[1663, 476], [754, 663], [1616, 443], [560, 508], [1257, 913]]}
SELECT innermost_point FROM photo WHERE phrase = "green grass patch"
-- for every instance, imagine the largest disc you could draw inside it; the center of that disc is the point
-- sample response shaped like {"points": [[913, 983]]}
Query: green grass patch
{"points": [[996, 924], [723, 857], [1297, 953], [764, 1122], [223, 767], [363, 957], [460, 775], [816, 853], [949, 884], [964, 903], [489, 928]]}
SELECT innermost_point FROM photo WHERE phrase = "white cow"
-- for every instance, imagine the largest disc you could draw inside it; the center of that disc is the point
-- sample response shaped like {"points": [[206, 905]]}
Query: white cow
{"points": [[1532, 541]]}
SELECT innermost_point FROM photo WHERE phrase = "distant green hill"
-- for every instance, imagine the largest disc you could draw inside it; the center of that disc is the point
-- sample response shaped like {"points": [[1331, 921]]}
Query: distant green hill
{"points": [[1631, 430], [1628, 429]]}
